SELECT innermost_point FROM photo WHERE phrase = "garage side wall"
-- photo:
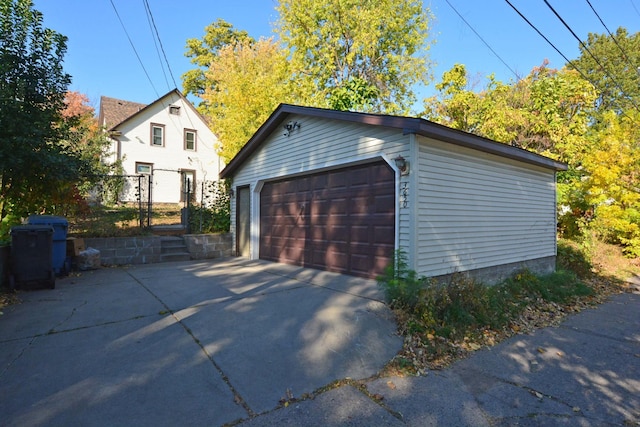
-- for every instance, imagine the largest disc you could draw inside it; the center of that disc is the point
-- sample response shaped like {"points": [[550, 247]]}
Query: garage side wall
{"points": [[319, 144], [482, 214]]}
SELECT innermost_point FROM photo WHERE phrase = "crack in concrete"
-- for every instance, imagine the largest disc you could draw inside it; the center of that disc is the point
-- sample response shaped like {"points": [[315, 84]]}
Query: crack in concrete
{"points": [[15, 359], [79, 328], [35, 337], [63, 321], [238, 399]]}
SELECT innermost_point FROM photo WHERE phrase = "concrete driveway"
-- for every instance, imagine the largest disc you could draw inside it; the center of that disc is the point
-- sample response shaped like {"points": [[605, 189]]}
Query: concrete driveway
{"points": [[214, 343], [197, 343]]}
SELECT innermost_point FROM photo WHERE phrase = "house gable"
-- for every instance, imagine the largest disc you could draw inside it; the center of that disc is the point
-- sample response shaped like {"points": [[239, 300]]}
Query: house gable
{"points": [[172, 140]]}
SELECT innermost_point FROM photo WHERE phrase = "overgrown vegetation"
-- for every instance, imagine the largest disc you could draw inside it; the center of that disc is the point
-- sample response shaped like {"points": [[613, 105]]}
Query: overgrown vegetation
{"points": [[214, 214], [106, 221], [444, 320]]}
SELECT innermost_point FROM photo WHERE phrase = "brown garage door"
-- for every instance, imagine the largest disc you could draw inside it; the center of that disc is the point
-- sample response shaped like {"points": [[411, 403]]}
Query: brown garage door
{"points": [[341, 220]]}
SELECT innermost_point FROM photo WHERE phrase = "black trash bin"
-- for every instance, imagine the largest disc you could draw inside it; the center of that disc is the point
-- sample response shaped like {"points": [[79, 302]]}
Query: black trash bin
{"points": [[60, 226], [32, 257]]}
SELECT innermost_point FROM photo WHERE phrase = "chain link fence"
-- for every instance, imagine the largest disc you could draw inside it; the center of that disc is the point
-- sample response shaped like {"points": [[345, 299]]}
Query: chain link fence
{"points": [[121, 205]]}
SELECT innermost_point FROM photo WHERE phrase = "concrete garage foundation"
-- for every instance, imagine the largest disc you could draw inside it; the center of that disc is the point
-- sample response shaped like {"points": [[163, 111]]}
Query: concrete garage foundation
{"points": [[498, 273]]}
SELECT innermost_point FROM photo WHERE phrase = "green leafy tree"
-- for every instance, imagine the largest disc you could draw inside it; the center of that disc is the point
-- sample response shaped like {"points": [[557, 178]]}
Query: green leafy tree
{"points": [[344, 51], [611, 181], [82, 135], [548, 111], [203, 52], [615, 73], [252, 79], [33, 162], [356, 94]]}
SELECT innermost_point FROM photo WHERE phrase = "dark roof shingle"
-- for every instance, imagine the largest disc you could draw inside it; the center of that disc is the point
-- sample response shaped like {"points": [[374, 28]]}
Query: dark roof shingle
{"points": [[114, 111]]}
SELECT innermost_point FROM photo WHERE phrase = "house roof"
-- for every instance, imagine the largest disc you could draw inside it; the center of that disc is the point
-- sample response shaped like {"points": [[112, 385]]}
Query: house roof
{"points": [[407, 124], [128, 107], [114, 111]]}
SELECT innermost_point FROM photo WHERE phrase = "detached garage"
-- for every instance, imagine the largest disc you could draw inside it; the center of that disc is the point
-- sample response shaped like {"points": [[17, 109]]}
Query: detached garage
{"points": [[340, 191]]}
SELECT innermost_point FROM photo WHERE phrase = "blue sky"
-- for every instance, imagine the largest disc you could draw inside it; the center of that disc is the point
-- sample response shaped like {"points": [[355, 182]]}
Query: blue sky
{"points": [[102, 62]]}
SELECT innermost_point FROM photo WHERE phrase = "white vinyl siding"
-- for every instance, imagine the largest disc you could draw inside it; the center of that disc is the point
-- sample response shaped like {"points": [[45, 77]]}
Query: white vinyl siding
{"points": [[478, 210], [320, 144]]}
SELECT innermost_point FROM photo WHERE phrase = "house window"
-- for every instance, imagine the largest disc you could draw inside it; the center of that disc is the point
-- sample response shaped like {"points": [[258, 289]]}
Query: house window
{"points": [[190, 139], [174, 109], [157, 135], [144, 168]]}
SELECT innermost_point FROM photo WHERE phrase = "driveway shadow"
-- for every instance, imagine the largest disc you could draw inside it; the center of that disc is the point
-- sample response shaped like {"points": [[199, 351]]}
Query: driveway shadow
{"points": [[231, 336]]}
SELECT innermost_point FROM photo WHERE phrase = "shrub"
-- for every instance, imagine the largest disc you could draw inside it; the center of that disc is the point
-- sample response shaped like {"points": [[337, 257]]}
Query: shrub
{"points": [[214, 216], [574, 257], [462, 307], [400, 284]]}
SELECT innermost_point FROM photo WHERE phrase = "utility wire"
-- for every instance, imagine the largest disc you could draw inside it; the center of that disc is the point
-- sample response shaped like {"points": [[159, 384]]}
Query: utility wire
{"points": [[615, 82], [155, 44], [549, 41], [483, 40], [146, 2], [134, 48], [634, 7], [624, 54], [575, 67]]}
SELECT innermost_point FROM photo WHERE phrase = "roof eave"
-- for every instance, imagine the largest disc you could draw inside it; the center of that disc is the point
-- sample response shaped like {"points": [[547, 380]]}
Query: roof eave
{"points": [[468, 140], [406, 124], [113, 128]]}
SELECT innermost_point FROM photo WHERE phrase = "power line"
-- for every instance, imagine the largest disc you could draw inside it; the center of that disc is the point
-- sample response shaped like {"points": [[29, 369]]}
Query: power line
{"points": [[634, 7], [146, 2], [575, 67], [483, 40], [624, 54], [155, 44], [615, 82], [134, 48], [548, 41]]}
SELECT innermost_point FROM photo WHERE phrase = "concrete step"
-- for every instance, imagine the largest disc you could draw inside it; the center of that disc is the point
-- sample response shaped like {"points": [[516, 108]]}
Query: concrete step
{"points": [[175, 257], [168, 230], [173, 249]]}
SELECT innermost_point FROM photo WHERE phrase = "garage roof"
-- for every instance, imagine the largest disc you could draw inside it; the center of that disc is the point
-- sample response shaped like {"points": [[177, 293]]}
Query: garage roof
{"points": [[407, 124]]}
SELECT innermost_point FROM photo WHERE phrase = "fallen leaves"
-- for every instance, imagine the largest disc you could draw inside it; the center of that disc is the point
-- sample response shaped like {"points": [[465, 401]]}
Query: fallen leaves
{"points": [[428, 350], [8, 298]]}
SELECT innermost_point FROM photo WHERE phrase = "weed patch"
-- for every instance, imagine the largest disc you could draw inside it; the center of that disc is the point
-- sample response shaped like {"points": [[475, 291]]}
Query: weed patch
{"points": [[442, 321]]}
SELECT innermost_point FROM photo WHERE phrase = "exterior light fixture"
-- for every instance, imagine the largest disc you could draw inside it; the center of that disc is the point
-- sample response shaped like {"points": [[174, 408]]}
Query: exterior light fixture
{"points": [[290, 127], [402, 165]]}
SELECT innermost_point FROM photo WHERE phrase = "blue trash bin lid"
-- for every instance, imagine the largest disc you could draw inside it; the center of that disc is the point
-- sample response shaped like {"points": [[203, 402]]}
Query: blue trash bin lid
{"points": [[59, 224]]}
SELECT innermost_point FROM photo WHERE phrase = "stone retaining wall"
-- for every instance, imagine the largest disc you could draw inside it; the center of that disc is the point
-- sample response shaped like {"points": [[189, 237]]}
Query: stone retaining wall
{"points": [[148, 249], [126, 250], [204, 246]]}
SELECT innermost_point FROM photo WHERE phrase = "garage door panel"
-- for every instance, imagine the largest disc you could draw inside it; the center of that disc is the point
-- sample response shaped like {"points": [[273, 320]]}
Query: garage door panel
{"points": [[338, 234], [383, 235], [341, 220]]}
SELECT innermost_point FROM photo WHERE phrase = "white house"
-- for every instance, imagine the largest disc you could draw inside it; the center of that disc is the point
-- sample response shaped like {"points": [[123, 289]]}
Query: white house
{"points": [[340, 191], [167, 140]]}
